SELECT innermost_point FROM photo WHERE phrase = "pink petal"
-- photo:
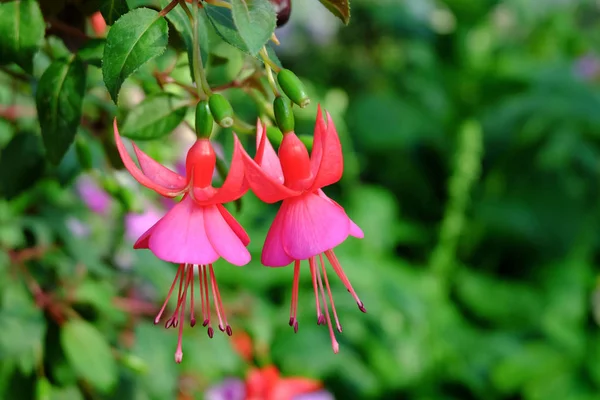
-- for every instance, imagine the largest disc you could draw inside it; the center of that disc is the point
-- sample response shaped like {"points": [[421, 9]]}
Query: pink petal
{"points": [[354, 229], [158, 173], [223, 239], [331, 165], [312, 225], [273, 254], [317, 150], [143, 241], [265, 187], [233, 224], [266, 157], [136, 172], [234, 186], [180, 236]]}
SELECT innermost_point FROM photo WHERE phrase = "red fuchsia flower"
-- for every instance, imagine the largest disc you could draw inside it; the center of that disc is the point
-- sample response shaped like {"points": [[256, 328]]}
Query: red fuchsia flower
{"points": [[309, 224], [267, 384], [197, 231]]}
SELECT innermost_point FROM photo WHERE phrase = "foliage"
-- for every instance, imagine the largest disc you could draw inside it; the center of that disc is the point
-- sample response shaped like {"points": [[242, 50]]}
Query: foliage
{"points": [[470, 132]]}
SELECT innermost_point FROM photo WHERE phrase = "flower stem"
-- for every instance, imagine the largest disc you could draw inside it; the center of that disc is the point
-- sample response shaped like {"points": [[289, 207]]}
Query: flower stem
{"points": [[199, 74], [168, 8]]}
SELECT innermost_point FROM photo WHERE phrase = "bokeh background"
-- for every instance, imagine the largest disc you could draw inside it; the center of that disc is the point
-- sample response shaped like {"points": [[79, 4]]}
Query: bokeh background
{"points": [[471, 132]]}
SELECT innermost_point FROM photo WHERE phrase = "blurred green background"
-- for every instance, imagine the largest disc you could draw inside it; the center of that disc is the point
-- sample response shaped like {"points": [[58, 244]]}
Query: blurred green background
{"points": [[471, 131]]}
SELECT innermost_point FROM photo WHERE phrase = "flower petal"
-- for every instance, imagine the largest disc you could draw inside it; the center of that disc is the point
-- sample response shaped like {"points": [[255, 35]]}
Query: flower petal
{"points": [[331, 165], [223, 239], [354, 229], [136, 172], [266, 157], [317, 149], [158, 173], [234, 186], [289, 388], [273, 253], [180, 236], [312, 225], [234, 225], [265, 187]]}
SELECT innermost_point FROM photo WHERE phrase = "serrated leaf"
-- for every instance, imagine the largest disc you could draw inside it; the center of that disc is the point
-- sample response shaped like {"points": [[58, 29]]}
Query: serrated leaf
{"points": [[21, 164], [339, 8], [182, 24], [59, 99], [21, 29], [154, 117], [113, 9], [136, 38], [89, 354], [255, 21], [91, 52]]}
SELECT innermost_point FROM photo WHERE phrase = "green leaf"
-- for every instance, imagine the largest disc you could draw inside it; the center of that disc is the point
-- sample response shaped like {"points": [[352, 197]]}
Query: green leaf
{"points": [[21, 164], [339, 8], [136, 38], [182, 24], [154, 117], [113, 9], [89, 354], [255, 21], [222, 20], [22, 30], [59, 99], [91, 52]]}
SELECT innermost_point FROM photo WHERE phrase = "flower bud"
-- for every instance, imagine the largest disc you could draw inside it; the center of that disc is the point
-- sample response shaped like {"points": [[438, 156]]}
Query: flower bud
{"points": [[274, 135], [204, 120], [221, 110], [283, 114], [283, 8], [293, 88]]}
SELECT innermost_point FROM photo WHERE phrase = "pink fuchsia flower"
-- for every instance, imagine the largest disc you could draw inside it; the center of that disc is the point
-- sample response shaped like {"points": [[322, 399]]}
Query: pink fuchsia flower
{"points": [[136, 224], [309, 224], [94, 197], [229, 389], [197, 231]]}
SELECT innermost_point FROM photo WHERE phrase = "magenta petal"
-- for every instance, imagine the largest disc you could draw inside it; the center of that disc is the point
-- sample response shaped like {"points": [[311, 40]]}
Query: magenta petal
{"points": [[312, 225], [180, 236], [143, 241], [354, 229], [266, 157], [234, 225], [158, 173], [331, 166], [273, 254], [223, 239], [317, 150]]}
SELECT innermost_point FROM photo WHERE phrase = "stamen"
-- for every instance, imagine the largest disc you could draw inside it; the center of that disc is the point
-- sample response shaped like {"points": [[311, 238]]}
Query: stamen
{"points": [[191, 282], [162, 309], [207, 302], [179, 351], [219, 304], [334, 344], [173, 321], [340, 273], [337, 322], [294, 305], [313, 271]]}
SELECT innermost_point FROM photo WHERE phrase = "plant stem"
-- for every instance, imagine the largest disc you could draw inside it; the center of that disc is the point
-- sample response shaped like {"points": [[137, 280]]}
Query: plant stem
{"points": [[199, 74], [168, 8]]}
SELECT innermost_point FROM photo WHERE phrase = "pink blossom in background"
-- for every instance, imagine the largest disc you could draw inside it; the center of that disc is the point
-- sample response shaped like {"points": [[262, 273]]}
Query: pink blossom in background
{"points": [[138, 223], [229, 389], [77, 227], [94, 197]]}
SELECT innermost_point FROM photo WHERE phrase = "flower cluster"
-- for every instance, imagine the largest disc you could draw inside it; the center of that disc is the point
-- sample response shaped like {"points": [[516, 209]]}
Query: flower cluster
{"points": [[199, 230]]}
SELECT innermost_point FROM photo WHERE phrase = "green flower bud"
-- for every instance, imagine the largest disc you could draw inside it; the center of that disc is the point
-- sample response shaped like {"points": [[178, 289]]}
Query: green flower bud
{"points": [[204, 120], [221, 110], [84, 154], [275, 136], [283, 114], [293, 88]]}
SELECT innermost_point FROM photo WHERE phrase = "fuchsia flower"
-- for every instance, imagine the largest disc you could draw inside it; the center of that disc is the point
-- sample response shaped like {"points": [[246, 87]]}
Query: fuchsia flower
{"points": [[308, 224], [197, 231]]}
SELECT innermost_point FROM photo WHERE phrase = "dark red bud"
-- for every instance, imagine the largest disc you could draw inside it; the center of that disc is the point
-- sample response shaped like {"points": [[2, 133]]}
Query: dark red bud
{"points": [[283, 8]]}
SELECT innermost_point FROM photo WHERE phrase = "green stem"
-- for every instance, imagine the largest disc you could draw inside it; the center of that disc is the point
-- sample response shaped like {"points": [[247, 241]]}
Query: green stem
{"points": [[199, 74]]}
